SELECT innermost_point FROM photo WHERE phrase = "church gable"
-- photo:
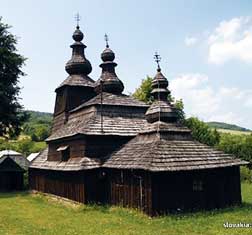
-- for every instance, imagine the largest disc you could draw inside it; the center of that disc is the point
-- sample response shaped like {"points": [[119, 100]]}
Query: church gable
{"points": [[8, 164]]}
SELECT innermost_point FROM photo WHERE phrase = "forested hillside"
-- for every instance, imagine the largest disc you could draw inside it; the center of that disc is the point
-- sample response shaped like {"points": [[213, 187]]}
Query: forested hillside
{"points": [[34, 131], [226, 126], [38, 125]]}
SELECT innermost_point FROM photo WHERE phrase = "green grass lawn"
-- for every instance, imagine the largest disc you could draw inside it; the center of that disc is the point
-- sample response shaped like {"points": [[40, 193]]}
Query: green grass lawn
{"points": [[24, 213]]}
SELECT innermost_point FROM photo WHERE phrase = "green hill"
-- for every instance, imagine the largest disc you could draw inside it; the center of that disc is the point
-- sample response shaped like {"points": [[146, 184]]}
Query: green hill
{"points": [[39, 117], [38, 125], [226, 126]]}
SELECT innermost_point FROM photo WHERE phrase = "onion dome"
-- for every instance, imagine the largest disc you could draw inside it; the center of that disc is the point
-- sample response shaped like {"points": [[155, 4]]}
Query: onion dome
{"points": [[161, 109], [78, 64], [159, 86], [110, 82]]}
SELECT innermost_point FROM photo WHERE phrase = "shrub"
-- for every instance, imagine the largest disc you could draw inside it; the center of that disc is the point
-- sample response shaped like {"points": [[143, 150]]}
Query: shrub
{"points": [[246, 174]]}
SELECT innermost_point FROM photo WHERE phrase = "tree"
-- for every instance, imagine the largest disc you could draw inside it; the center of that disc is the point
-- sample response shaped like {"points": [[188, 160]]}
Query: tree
{"points": [[11, 63], [239, 145], [202, 132], [143, 93], [25, 146], [37, 132]]}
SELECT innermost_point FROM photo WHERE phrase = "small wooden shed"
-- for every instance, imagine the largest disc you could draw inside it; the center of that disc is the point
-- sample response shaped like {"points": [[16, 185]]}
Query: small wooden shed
{"points": [[12, 168]]}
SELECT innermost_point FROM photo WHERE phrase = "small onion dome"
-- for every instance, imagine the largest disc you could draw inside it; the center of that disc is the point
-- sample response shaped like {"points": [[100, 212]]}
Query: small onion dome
{"points": [[78, 35], [107, 55], [78, 64], [82, 66], [110, 82]]}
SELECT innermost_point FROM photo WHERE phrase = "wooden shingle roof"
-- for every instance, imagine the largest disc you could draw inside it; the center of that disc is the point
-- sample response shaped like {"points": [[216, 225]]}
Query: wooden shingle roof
{"points": [[77, 80], [113, 99], [15, 156], [73, 164], [120, 126], [169, 155], [164, 127]]}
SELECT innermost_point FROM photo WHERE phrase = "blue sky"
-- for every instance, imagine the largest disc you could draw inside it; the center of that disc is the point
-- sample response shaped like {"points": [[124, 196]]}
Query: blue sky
{"points": [[206, 49]]}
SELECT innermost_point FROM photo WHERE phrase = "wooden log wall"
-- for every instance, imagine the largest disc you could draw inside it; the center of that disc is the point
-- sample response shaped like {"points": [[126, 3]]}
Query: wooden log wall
{"points": [[76, 147], [65, 184], [100, 146], [68, 98], [172, 192], [131, 189]]}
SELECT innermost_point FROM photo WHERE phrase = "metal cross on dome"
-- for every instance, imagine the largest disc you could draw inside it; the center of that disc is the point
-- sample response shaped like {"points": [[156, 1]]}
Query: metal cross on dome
{"points": [[106, 40], [77, 18], [157, 59]]}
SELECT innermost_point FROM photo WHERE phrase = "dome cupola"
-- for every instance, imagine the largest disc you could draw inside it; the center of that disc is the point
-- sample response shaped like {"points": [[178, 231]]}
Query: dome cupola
{"points": [[108, 81]]}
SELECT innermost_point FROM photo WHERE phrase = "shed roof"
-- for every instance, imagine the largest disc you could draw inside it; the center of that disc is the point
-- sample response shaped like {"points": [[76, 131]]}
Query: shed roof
{"points": [[7, 164], [73, 164], [9, 152], [32, 156], [17, 157]]}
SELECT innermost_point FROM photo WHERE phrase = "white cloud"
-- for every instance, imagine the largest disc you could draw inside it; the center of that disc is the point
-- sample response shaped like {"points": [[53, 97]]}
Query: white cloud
{"points": [[190, 41], [231, 40], [226, 104]]}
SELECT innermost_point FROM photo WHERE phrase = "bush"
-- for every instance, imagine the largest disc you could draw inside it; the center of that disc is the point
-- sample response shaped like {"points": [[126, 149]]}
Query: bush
{"points": [[246, 174], [239, 145], [37, 132], [202, 132], [25, 146]]}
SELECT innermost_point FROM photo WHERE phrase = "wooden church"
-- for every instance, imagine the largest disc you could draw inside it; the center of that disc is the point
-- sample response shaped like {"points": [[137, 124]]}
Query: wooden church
{"points": [[109, 148]]}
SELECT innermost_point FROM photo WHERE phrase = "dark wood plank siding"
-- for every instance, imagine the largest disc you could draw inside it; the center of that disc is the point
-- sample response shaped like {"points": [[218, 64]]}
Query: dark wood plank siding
{"points": [[11, 175], [100, 146], [173, 191], [65, 184], [58, 121], [11, 181], [131, 189], [68, 98], [81, 186], [76, 147]]}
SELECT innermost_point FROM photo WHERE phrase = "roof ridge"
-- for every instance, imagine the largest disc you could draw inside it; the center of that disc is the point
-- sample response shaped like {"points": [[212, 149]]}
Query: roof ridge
{"points": [[96, 101]]}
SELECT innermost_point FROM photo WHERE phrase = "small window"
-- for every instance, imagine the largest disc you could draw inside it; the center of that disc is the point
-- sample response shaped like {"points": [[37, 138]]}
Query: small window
{"points": [[197, 185], [65, 152]]}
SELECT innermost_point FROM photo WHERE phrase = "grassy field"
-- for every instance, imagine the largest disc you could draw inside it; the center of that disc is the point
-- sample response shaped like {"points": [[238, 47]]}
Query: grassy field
{"points": [[24, 213], [234, 132]]}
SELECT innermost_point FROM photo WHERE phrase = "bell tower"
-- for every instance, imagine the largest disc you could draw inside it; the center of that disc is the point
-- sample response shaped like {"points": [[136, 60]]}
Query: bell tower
{"points": [[78, 87]]}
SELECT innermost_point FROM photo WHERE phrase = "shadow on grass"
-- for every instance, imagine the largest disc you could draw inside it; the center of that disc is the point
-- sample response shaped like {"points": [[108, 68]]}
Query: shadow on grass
{"points": [[105, 209], [211, 212], [12, 194]]}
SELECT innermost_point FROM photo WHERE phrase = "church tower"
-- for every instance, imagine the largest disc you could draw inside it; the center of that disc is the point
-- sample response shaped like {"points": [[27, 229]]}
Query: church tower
{"points": [[78, 87], [161, 109], [108, 81]]}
